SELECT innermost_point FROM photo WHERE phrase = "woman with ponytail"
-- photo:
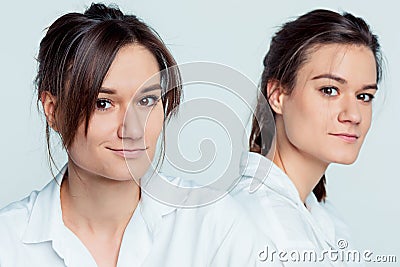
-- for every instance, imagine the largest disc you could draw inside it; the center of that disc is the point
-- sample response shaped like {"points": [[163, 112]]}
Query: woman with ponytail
{"points": [[320, 76]]}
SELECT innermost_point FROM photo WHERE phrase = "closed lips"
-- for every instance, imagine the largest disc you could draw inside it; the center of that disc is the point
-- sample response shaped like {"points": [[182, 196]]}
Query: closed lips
{"points": [[346, 135], [129, 153], [127, 150]]}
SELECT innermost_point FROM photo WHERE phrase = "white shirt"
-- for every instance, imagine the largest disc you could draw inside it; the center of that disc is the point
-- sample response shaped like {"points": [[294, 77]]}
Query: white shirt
{"points": [[32, 233], [279, 212]]}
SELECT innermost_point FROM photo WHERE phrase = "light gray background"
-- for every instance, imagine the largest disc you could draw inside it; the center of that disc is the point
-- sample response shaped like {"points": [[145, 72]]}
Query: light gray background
{"points": [[235, 33]]}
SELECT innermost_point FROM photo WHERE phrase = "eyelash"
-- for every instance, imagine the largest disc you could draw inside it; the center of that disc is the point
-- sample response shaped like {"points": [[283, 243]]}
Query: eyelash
{"points": [[371, 97], [152, 97], [99, 100], [323, 90]]}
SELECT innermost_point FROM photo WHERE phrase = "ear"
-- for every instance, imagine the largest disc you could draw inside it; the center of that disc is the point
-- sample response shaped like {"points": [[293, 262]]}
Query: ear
{"points": [[49, 104], [275, 94]]}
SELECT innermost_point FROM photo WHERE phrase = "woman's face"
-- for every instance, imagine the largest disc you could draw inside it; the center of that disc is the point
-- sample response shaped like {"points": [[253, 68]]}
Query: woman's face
{"points": [[328, 114], [124, 128]]}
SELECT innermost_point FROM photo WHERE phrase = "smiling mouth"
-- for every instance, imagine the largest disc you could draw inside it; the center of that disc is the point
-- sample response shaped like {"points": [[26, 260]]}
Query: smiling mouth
{"points": [[349, 138], [129, 153]]}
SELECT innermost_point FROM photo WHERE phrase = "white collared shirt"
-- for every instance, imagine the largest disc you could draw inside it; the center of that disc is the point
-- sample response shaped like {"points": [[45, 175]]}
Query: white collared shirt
{"points": [[32, 233], [275, 206]]}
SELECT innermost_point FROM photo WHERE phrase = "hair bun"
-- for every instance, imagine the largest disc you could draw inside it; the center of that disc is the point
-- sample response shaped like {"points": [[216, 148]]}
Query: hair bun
{"points": [[103, 12]]}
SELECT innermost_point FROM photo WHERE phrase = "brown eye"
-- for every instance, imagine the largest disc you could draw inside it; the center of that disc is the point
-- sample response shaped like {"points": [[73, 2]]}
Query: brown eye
{"points": [[103, 104], [144, 102], [330, 91], [365, 97], [148, 101]]}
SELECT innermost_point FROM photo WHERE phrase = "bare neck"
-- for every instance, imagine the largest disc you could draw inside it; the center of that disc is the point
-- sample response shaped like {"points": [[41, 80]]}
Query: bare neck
{"points": [[97, 204], [303, 170]]}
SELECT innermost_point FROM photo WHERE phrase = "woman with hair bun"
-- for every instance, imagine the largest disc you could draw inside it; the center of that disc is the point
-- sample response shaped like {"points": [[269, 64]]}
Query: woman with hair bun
{"points": [[107, 85]]}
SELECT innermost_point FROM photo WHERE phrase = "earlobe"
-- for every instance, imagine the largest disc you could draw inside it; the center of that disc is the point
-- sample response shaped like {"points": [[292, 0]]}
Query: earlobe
{"points": [[275, 96], [49, 104]]}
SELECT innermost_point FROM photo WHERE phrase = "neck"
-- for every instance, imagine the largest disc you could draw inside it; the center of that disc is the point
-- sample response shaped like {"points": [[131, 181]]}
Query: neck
{"points": [[98, 204], [304, 170]]}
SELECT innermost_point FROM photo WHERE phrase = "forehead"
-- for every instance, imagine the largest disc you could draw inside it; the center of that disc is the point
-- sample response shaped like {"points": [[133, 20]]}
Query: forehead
{"points": [[134, 67], [354, 63]]}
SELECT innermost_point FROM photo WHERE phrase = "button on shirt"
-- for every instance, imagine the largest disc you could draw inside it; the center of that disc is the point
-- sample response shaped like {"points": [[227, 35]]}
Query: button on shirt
{"points": [[296, 228], [32, 233]]}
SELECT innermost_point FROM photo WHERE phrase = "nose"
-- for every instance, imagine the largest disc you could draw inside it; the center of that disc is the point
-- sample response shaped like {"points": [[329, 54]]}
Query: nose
{"points": [[350, 111], [131, 126]]}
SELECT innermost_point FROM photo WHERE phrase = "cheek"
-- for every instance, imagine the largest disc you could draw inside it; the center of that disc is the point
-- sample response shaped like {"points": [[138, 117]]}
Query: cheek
{"points": [[100, 130], [79, 147], [301, 118], [103, 126], [306, 122], [153, 127], [366, 113], [79, 139]]}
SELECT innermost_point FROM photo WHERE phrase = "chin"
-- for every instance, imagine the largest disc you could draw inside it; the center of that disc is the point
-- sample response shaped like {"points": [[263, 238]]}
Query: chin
{"points": [[119, 176], [345, 159]]}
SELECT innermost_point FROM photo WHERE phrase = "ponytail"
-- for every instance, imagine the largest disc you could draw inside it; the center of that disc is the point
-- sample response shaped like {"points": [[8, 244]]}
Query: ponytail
{"points": [[320, 189]]}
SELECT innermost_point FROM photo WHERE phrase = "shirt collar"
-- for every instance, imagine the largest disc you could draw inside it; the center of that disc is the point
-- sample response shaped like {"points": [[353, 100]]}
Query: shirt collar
{"points": [[162, 195], [263, 171], [260, 168], [151, 208], [322, 217], [46, 217], [46, 224]]}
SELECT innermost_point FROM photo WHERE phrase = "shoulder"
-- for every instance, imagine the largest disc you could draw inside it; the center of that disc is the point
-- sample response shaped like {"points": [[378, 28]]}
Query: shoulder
{"points": [[205, 200], [208, 206], [214, 219], [229, 236], [203, 207], [14, 219], [342, 229], [241, 238], [226, 209], [258, 202], [16, 215], [333, 213]]}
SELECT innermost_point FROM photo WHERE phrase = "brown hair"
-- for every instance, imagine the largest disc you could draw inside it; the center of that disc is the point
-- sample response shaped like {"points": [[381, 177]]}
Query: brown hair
{"points": [[289, 50], [75, 55]]}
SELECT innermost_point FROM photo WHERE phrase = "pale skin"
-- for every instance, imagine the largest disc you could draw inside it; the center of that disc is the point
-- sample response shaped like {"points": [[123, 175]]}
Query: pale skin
{"points": [[100, 195], [328, 114]]}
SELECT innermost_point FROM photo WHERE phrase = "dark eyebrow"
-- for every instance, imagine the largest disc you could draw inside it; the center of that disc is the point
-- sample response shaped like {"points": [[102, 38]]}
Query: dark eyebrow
{"points": [[371, 86], [142, 90], [150, 88], [330, 76], [343, 81], [107, 91]]}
